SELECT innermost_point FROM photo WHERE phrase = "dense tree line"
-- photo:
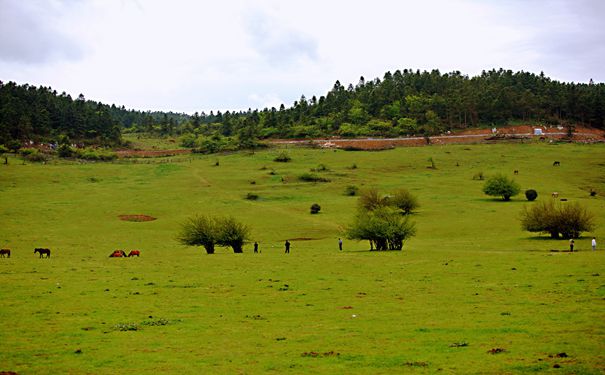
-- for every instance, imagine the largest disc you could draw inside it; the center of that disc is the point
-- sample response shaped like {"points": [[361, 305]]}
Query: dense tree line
{"points": [[411, 103], [401, 103], [41, 114]]}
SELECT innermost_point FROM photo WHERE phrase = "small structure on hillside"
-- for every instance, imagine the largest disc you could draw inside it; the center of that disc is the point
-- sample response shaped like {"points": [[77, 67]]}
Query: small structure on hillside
{"points": [[538, 131]]}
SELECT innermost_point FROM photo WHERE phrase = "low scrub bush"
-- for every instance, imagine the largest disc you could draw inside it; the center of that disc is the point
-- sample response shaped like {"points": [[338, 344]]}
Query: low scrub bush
{"points": [[33, 154], [310, 177], [351, 190], [95, 154], [283, 157], [320, 168], [315, 208], [252, 197]]}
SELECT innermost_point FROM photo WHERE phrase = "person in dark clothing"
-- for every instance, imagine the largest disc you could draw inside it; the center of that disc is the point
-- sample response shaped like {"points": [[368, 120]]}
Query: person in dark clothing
{"points": [[340, 244], [571, 243], [287, 247], [256, 247]]}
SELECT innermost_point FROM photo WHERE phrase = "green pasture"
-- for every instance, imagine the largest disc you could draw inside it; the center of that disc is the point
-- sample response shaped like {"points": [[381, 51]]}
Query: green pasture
{"points": [[470, 282]]}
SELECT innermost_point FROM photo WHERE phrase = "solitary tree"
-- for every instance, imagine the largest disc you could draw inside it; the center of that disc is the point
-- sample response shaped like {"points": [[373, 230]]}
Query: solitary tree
{"points": [[501, 186]]}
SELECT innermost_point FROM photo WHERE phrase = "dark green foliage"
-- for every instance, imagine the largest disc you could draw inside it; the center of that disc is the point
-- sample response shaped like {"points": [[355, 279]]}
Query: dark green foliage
{"points": [[65, 151], [568, 220], [531, 194], [310, 177], [501, 186], [351, 190], [37, 157], [283, 157], [209, 231], [405, 102], [315, 208]]}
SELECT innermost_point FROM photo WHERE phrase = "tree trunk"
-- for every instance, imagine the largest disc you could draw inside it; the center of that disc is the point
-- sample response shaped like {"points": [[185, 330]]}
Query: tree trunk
{"points": [[237, 248], [209, 248]]}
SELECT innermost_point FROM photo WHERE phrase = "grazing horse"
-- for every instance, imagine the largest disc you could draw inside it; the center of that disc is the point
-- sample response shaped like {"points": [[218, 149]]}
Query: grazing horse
{"points": [[555, 194], [42, 252], [556, 163], [134, 252], [118, 254], [4, 252]]}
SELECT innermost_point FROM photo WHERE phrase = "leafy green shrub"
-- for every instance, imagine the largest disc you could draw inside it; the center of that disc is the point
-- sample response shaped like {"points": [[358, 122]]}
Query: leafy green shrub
{"points": [[188, 140], [95, 154], [320, 168], [33, 154], [568, 220], [404, 201], [351, 190], [502, 186], [65, 151], [531, 194], [27, 151], [283, 157], [315, 208], [309, 177]]}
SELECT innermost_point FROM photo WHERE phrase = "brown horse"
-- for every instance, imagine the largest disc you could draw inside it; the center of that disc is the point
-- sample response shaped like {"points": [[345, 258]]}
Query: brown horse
{"points": [[42, 252], [4, 252], [134, 252], [118, 254]]}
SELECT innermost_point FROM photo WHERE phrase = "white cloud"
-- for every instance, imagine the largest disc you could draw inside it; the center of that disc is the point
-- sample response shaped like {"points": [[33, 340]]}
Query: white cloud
{"points": [[201, 55]]}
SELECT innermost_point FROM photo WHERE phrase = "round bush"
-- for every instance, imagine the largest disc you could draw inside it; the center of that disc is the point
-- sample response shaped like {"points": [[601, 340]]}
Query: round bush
{"points": [[315, 208], [531, 195]]}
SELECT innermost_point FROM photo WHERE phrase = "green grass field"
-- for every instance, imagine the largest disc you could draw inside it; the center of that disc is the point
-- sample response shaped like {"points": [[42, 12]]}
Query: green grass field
{"points": [[469, 282]]}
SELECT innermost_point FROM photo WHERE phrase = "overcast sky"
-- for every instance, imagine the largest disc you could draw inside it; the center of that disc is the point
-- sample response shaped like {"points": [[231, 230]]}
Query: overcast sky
{"points": [[188, 55]]}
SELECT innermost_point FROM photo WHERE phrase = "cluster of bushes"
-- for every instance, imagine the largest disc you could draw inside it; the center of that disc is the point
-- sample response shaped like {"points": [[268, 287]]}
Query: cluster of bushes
{"points": [[568, 220], [210, 231], [384, 220], [33, 155]]}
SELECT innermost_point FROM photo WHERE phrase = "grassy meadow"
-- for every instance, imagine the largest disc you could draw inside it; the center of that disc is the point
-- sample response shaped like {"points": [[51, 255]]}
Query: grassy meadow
{"points": [[470, 282]]}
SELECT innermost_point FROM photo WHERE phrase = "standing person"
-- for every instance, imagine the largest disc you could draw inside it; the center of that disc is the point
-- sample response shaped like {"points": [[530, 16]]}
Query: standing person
{"points": [[287, 247], [571, 243], [340, 244], [594, 243], [256, 247]]}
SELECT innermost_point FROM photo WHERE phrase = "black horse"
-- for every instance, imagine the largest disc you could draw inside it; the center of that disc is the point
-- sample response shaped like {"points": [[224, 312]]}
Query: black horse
{"points": [[42, 252], [4, 252]]}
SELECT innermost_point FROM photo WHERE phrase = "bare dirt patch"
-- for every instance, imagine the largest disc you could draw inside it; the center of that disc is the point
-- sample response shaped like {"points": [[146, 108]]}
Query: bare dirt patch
{"points": [[136, 218]]}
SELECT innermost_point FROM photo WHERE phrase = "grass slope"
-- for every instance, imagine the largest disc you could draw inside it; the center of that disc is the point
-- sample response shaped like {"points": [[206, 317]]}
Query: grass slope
{"points": [[469, 282]]}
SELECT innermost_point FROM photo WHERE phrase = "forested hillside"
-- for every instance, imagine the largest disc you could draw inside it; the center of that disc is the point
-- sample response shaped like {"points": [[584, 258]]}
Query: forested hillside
{"points": [[401, 103]]}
